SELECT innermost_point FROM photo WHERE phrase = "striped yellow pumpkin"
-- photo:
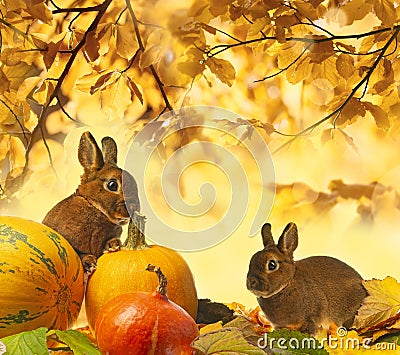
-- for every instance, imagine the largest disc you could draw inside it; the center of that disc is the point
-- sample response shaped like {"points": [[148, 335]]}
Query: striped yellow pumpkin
{"points": [[41, 278]]}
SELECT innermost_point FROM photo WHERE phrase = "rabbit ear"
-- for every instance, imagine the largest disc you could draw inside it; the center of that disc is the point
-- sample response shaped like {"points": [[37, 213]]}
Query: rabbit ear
{"points": [[110, 152], [268, 239], [89, 153], [287, 243]]}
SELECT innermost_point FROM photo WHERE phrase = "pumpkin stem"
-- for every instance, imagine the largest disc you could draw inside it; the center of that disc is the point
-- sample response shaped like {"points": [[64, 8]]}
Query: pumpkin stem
{"points": [[162, 280], [136, 238]]}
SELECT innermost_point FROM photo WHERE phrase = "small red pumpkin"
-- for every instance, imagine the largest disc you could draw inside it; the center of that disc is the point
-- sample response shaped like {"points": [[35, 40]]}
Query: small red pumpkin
{"points": [[141, 323]]}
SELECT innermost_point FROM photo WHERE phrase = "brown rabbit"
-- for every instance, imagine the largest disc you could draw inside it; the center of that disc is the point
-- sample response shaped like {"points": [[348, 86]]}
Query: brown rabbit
{"points": [[305, 294], [91, 218]]}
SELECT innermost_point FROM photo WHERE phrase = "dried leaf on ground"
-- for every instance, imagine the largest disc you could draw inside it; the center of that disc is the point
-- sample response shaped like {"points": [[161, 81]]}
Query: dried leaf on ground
{"points": [[382, 303]]}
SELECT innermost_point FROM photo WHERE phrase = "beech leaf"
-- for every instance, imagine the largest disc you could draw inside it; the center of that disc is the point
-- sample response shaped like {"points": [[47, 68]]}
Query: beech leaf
{"points": [[222, 69], [345, 65], [382, 303], [380, 116]]}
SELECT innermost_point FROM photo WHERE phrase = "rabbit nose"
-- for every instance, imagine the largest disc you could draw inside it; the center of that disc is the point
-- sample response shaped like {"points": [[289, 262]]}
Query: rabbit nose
{"points": [[252, 283]]}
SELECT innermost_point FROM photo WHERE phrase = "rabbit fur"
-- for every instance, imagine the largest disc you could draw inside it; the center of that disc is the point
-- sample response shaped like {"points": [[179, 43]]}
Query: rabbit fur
{"points": [[91, 218], [306, 294]]}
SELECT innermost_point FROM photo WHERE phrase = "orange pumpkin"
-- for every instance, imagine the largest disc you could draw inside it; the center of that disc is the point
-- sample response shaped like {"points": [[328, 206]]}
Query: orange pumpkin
{"points": [[124, 272], [41, 278], [139, 323]]}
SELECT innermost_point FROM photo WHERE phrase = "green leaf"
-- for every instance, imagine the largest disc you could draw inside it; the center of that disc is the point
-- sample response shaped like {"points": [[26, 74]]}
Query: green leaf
{"points": [[27, 343], [292, 342], [78, 342], [227, 341]]}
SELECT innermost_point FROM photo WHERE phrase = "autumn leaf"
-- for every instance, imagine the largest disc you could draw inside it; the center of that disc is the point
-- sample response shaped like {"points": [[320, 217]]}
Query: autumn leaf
{"points": [[382, 303], [352, 11], [116, 97], [225, 341], [380, 116], [385, 11], [222, 69], [351, 111], [126, 42], [319, 51], [345, 65]]}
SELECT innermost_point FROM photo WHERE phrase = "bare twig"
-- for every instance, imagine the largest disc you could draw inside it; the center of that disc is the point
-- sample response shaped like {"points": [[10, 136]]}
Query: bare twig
{"points": [[142, 48]]}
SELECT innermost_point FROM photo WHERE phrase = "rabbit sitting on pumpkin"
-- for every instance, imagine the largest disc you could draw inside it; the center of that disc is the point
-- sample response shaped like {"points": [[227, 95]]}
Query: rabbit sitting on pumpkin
{"points": [[305, 294], [91, 218]]}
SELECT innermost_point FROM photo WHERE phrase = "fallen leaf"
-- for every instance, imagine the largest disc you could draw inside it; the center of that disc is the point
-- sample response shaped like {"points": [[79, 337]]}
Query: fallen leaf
{"points": [[382, 303], [225, 341]]}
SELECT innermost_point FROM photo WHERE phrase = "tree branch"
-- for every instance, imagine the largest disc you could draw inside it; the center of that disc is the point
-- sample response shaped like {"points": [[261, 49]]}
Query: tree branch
{"points": [[223, 47], [102, 8], [142, 48], [337, 111]]}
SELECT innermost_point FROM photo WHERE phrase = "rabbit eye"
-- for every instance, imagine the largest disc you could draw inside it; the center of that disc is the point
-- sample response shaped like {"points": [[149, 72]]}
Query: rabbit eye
{"points": [[272, 265], [112, 185]]}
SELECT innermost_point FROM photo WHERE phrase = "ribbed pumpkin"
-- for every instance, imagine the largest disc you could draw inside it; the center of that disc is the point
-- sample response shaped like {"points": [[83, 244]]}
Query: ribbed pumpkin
{"points": [[124, 271], [41, 278]]}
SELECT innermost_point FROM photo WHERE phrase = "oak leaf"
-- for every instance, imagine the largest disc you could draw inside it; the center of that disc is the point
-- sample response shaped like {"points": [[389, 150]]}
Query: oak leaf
{"points": [[382, 303]]}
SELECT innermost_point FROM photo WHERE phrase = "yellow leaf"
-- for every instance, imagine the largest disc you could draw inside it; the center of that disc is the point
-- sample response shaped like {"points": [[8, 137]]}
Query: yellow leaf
{"points": [[4, 146], [380, 116], [352, 11], [18, 73], [385, 11], [211, 327], [104, 36], [43, 93], [92, 47], [353, 109], [26, 88], [345, 65], [126, 41], [150, 56], [382, 303], [320, 51], [327, 70], [115, 98], [306, 9], [288, 53], [299, 71], [40, 11], [103, 81], [17, 157], [4, 82], [222, 69], [134, 89]]}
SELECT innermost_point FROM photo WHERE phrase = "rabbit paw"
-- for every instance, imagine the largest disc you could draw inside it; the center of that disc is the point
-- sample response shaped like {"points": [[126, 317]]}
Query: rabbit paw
{"points": [[114, 244], [89, 262]]}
